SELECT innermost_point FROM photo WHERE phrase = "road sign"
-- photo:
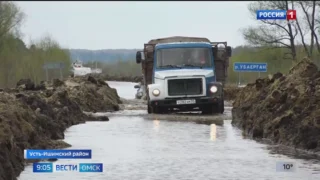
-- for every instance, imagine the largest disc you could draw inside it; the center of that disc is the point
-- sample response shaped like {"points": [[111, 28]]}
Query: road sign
{"points": [[57, 65], [250, 67]]}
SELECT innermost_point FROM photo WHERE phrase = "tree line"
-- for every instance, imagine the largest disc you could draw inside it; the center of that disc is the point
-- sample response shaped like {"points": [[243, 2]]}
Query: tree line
{"points": [[280, 43], [277, 42], [20, 61]]}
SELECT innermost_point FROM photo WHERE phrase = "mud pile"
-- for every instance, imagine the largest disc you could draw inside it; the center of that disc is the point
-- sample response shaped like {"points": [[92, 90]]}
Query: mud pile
{"points": [[36, 116], [107, 77], [230, 92], [284, 109], [92, 95]]}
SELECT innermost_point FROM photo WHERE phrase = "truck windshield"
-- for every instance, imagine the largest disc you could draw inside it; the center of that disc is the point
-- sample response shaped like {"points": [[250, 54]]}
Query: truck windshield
{"points": [[183, 57]]}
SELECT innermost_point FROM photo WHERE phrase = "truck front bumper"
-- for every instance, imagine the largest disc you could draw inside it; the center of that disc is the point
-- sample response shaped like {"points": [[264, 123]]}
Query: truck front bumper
{"points": [[172, 102]]}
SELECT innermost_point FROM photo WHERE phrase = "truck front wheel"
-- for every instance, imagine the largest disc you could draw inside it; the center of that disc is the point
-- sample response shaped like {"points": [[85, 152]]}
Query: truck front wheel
{"points": [[214, 108], [210, 109], [154, 110], [149, 109], [221, 107], [157, 110]]}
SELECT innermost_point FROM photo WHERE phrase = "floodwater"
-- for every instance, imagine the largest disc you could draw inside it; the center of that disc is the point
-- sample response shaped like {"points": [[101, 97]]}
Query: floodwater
{"points": [[138, 148]]}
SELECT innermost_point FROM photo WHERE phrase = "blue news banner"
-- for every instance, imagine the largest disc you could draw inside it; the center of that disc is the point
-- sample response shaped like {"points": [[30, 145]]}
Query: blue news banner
{"points": [[57, 154], [67, 167], [62, 154]]}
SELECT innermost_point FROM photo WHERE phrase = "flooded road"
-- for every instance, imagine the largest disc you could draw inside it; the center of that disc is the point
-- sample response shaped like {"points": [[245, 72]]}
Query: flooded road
{"points": [[133, 146]]}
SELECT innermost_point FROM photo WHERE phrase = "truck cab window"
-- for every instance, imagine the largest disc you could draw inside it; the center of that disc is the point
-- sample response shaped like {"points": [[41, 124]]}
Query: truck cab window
{"points": [[184, 56]]}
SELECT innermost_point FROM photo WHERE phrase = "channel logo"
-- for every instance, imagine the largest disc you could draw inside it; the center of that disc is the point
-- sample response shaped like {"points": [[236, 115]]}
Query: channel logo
{"points": [[90, 167], [276, 15], [67, 167]]}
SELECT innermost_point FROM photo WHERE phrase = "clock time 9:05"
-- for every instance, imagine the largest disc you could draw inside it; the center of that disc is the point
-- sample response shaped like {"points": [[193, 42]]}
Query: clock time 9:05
{"points": [[42, 167]]}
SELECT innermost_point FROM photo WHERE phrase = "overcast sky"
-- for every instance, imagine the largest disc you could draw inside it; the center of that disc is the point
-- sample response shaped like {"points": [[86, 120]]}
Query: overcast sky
{"points": [[113, 25]]}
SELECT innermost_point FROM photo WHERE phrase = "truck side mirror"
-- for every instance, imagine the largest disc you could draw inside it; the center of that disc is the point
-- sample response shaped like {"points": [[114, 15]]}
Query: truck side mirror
{"points": [[215, 51], [229, 51], [139, 57]]}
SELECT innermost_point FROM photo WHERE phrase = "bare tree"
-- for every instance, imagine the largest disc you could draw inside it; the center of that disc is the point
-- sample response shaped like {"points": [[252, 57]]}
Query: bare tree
{"points": [[303, 31], [10, 18], [309, 10], [318, 17], [276, 33]]}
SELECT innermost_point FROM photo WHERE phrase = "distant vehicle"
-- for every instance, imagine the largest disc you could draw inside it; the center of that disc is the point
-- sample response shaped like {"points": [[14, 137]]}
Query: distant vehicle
{"points": [[184, 74], [96, 71], [140, 91], [79, 70]]}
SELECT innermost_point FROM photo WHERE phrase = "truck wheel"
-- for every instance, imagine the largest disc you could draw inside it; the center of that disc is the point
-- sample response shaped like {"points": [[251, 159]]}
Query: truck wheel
{"points": [[208, 109], [149, 109], [221, 107], [164, 110], [213, 109], [156, 110]]}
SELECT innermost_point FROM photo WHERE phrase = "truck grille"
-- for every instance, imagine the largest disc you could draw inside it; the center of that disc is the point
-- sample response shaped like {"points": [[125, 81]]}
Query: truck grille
{"points": [[178, 87]]}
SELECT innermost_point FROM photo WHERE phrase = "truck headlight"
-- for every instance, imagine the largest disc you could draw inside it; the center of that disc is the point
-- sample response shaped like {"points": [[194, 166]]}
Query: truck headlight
{"points": [[213, 89], [156, 92]]}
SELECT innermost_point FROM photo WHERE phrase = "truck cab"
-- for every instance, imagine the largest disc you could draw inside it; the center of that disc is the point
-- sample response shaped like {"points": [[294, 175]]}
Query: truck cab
{"points": [[182, 77]]}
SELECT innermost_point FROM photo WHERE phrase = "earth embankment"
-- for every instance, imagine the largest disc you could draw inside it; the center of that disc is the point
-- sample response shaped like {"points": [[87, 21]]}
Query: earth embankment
{"points": [[283, 108], [230, 92], [36, 116]]}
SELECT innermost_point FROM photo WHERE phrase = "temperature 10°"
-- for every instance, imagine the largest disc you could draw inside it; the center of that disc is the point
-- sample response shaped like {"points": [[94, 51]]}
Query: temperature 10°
{"points": [[287, 166]]}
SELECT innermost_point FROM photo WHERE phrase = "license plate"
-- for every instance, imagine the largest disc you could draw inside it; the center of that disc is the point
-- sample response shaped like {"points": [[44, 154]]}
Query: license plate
{"points": [[188, 101]]}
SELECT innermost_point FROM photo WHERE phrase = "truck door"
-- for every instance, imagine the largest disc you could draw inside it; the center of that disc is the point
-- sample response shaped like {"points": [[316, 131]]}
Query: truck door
{"points": [[148, 63], [221, 60]]}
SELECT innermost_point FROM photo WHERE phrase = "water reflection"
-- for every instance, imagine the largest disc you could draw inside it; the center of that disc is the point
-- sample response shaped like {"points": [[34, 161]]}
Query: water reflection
{"points": [[133, 148], [213, 132], [156, 124]]}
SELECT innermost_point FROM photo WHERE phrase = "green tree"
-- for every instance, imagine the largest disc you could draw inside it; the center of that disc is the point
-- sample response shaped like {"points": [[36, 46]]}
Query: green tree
{"points": [[18, 61]]}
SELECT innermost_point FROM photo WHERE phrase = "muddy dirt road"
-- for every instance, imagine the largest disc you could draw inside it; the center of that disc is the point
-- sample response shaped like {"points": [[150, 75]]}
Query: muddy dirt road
{"points": [[137, 146]]}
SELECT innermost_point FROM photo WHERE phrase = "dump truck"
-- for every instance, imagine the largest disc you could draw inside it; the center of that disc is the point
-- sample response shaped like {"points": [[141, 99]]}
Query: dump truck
{"points": [[184, 74]]}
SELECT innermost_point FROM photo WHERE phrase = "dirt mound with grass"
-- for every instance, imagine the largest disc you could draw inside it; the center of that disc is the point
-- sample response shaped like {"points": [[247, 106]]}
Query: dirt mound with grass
{"points": [[36, 116], [230, 92], [91, 94], [283, 108]]}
